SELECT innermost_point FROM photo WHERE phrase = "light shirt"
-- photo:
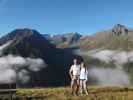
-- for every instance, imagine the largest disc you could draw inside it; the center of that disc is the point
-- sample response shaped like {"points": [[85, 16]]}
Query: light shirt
{"points": [[75, 69], [83, 74]]}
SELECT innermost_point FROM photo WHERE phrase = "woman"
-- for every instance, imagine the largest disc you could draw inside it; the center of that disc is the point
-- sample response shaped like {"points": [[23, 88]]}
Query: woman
{"points": [[83, 78]]}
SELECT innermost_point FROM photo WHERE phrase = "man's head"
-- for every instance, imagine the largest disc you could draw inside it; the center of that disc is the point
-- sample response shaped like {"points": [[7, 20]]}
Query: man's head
{"points": [[75, 61]]}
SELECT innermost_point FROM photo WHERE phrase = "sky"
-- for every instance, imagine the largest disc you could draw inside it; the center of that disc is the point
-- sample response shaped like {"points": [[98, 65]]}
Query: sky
{"points": [[61, 16]]}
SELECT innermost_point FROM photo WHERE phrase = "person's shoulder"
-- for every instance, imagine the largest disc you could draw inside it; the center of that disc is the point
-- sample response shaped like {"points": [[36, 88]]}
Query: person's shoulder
{"points": [[72, 66]]}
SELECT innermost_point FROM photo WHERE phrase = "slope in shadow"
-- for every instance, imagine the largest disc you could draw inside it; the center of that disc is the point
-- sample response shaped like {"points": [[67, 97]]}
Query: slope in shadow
{"points": [[34, 45]]}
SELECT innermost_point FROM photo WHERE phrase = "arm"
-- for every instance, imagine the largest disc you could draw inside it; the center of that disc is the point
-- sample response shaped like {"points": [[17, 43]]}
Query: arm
{"points": [[86, 74], [70, 72]]}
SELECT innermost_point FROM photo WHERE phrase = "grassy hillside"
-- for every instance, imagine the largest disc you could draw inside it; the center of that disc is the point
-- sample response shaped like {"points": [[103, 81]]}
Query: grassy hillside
{"points": [[113, 43], [95, 93], [117, 38]]}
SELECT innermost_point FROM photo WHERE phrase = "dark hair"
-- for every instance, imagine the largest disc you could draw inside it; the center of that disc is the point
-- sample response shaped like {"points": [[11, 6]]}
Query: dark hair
{"points": [[79, 59], [84, 66]]}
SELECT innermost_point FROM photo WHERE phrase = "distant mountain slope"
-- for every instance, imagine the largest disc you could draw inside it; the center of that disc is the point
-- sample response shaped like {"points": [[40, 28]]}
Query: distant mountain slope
{"points": [[25, 39], [64, 40], [119, 37], [30, 43]]}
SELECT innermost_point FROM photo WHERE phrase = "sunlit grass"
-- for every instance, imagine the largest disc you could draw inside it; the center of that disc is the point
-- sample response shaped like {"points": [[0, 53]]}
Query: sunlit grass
{"points": [[95, 93]]}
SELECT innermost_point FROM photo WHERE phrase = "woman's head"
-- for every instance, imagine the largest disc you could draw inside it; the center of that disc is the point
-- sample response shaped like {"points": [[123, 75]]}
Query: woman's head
{"points": [[82, 64]]}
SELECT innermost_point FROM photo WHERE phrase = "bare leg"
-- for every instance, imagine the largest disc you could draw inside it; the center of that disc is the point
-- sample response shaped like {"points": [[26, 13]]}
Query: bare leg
{"points": [[72, 86], [85, 87], [81, 86], [77, 86]]}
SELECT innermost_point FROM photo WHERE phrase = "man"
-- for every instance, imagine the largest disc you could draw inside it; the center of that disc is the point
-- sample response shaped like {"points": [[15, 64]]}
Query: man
{"points": [[74, 73]]}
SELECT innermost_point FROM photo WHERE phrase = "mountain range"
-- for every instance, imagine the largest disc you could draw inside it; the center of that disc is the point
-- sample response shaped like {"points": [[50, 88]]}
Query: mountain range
{"points": [[118, 37], [58, 50]]}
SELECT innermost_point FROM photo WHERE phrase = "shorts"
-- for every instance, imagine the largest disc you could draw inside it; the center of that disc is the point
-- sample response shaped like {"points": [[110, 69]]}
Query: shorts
{"points": [[82, 79], [75, 79]]}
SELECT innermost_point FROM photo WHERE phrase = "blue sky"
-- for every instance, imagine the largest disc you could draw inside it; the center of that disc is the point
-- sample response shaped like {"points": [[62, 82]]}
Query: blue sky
{"points": [[62, 16]]}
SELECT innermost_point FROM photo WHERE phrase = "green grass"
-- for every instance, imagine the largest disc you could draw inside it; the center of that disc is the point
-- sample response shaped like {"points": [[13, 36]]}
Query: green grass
{"points": [[95, 93]]}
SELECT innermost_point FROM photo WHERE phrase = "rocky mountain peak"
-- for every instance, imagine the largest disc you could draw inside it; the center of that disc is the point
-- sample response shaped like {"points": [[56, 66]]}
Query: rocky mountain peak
{"points": [[18, 34], [119, 30]]}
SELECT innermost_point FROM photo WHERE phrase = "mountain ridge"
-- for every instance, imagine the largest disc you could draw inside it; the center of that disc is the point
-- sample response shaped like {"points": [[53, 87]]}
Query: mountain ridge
{"points": [[116, 37]]}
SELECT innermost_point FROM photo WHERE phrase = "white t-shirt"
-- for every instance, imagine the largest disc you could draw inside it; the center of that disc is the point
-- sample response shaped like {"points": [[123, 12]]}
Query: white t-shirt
{"points": [[83, 74], [75, 69]]}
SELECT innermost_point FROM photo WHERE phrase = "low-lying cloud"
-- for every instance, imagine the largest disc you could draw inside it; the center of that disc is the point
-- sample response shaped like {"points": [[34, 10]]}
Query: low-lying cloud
{"points": [[109, 76], [119, 57], [113, 75], [16, 68]]}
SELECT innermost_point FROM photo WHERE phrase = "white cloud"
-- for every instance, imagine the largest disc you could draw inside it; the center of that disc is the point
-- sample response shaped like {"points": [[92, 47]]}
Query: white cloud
{"points": [[7, 76], [119, 57], [14, 68], [109, 76], [104, 55]]}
